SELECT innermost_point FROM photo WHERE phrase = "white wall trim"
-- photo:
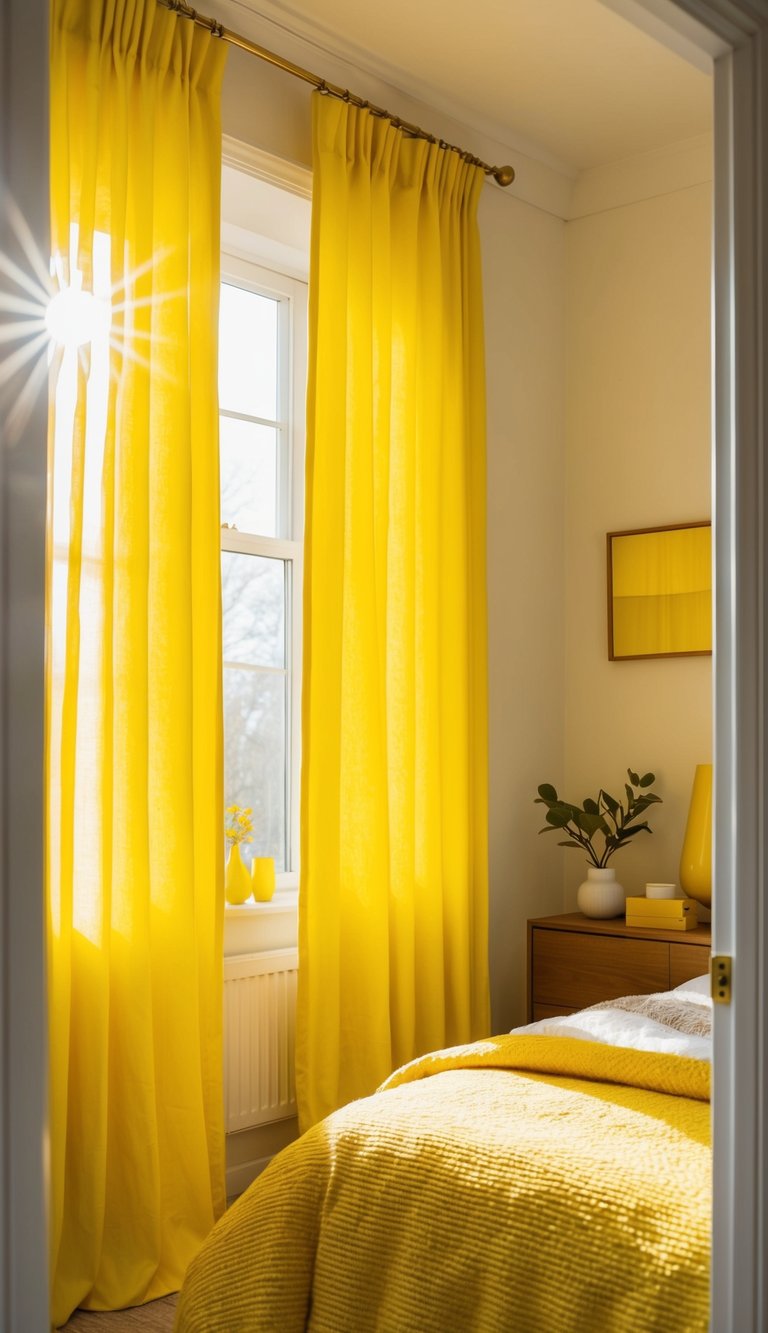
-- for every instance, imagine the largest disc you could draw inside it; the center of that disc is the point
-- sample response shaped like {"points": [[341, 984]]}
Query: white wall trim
{"points": [[240, 1177], [266, 166]]}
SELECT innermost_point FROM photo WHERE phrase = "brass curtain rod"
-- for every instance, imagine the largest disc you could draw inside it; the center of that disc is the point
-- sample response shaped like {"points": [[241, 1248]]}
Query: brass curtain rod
{"points": [[502, 175]]}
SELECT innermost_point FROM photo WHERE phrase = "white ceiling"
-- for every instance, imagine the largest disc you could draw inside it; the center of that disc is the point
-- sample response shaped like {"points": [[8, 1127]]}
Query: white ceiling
{"points": [[571, 77]]}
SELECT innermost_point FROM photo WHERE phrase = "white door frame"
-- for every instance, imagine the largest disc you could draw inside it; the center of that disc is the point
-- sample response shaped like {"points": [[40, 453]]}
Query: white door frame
{"points": [[23, 1042], [735, 34], [740, 1203]]}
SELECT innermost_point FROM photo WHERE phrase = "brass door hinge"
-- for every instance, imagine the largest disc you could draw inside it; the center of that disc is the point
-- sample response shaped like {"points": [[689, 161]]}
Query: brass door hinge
{"points": [[722, 969]]}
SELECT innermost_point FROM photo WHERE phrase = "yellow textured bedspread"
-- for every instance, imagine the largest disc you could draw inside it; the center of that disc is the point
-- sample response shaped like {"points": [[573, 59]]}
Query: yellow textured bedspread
{"points": [[536, 1184]]}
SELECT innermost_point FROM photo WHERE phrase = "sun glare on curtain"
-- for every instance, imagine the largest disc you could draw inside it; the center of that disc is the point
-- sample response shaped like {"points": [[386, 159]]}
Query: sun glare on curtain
{"points": [[393, 902], [134, 837]]}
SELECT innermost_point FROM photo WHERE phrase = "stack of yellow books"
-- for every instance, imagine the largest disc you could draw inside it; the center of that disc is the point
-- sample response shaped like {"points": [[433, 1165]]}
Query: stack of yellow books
{"points": [[662, 913]]}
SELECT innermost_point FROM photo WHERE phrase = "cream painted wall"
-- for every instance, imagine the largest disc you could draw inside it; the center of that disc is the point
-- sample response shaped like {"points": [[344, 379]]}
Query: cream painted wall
{"points": [[524, 273], [637, 454], [262, 106], [524, 286]]}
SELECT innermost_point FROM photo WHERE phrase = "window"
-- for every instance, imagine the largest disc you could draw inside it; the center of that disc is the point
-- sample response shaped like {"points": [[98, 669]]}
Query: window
{"points": [[262, 374]]}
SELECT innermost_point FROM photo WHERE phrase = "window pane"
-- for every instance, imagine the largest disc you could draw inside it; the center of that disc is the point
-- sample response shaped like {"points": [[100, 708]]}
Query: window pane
{"points": [[255, 756], [247, 353], [253, 605], [249, 494]]}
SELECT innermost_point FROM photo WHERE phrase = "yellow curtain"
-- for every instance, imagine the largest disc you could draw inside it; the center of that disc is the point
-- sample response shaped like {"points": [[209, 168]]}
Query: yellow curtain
{"points": [[393, 929], [135, 856]]}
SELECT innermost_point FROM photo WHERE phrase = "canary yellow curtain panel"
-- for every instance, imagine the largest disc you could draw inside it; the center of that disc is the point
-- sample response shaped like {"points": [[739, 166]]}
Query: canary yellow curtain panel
{"points": [[393, 928], [134, 837]]}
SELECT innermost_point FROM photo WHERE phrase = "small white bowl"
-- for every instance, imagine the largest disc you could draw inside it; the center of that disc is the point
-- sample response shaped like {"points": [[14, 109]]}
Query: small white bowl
{"points": [[660, 890]]}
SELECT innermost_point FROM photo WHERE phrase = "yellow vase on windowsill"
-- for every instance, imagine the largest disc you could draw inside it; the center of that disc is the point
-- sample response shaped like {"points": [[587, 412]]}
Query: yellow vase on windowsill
{"points": [[263, 878], [237, 881]]}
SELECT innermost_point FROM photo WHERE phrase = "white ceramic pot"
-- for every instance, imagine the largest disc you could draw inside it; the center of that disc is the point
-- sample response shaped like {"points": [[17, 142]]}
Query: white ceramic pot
{"points": [[601, 895]]}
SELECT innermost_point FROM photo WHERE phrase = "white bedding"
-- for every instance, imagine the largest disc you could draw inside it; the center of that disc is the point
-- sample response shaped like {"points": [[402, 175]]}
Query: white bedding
{"points": [[616, 1027]]}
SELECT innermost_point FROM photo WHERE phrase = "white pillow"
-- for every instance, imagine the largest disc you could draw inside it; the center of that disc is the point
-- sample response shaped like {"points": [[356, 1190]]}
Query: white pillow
{"points": [[699, 986]]}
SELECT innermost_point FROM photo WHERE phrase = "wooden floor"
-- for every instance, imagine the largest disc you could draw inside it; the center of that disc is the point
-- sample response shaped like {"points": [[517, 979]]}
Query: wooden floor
{"points": [[155, 1317]]}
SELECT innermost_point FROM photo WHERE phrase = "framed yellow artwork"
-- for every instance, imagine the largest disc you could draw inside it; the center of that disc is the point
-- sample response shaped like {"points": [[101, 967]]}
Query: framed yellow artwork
{"points": [[660, 591]]}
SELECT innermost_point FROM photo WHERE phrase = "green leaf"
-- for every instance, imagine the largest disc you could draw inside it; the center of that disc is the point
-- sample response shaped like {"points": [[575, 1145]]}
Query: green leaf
{"points": [[639, 805], [634, 779], [610, 801], [630, 793], [630, 832], [576, 846], [591, 807], [587, 822], [558, 816], [547, 792], [647, 779]]}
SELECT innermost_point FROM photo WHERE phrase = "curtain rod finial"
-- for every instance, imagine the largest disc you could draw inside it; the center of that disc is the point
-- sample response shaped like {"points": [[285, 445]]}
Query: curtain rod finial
{"points": [[503, 175]]}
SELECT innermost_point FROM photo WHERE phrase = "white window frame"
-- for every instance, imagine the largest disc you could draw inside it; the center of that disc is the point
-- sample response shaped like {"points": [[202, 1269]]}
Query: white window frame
{"points": [[291, 293]]}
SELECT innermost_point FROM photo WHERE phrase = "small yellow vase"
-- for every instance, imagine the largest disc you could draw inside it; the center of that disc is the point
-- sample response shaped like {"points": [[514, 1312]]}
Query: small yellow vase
{"points": [[237, 881], [263, 878]]}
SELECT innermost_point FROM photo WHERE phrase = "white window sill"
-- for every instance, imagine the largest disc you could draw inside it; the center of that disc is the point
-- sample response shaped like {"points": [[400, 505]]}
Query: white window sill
{"points": [[285, 900], [254, 927]]}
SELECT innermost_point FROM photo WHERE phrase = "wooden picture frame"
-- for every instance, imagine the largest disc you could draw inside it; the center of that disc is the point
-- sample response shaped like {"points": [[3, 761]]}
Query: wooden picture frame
{"points": [[660, 591]]}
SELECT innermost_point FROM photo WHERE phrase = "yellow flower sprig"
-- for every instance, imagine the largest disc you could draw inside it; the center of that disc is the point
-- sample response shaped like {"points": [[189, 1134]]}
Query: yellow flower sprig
{"points": [[238, 825]]}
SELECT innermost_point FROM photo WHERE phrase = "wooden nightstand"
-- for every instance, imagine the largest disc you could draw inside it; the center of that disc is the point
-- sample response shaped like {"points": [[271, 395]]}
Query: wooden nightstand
{"points": [[574, 961]]}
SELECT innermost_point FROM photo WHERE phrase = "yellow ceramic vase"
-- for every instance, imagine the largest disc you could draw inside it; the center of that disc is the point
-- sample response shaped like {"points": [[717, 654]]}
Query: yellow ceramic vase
{"points": [[237, 881], [696, 859], [263, 878]]}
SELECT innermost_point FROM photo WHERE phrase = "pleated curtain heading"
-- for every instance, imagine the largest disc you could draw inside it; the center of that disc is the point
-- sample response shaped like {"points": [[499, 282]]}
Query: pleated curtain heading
{"points": [[134, 730], [393, 913]]}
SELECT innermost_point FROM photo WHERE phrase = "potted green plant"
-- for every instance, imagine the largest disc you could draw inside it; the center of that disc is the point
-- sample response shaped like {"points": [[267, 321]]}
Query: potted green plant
{"points": [[603, 817]]}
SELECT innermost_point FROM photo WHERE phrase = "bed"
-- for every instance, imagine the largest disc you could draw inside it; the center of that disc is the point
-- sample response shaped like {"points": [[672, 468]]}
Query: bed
{"points": [[553, 1179]]}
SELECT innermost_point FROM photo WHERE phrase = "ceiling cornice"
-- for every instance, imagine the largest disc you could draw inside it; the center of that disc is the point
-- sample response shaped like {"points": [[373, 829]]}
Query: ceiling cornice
{"points": [[538, 182], [549, 187], [331, 44]]}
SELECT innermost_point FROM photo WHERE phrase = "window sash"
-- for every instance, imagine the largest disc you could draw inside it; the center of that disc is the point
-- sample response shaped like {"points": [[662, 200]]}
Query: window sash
{"points": [[291, 295]]}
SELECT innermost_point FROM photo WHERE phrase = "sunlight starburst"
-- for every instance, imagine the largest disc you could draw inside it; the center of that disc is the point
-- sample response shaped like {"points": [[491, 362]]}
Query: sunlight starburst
{"points": [[46, 308]]}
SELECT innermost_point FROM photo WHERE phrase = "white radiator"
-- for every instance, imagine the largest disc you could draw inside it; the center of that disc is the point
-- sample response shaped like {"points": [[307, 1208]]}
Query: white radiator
{"points": [[259, 1038]]}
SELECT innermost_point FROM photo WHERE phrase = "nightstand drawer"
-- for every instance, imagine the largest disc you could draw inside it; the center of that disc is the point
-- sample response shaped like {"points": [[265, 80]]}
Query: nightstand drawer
{"points": [[575, 961], [687, 961], [574, 970]]}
